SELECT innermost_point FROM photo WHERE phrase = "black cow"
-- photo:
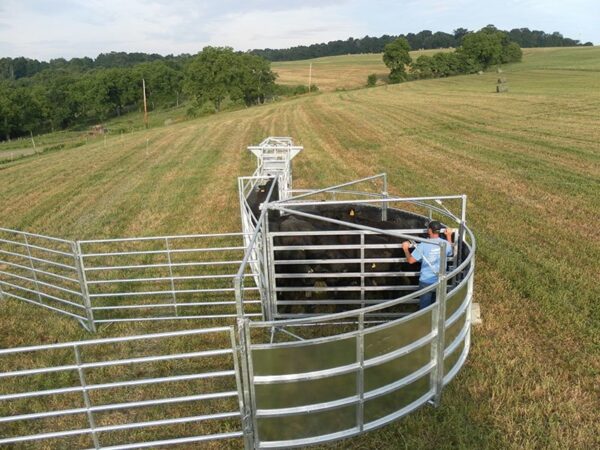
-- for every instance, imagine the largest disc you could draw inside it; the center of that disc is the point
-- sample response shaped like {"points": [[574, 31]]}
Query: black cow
{"points": [[258, 196]]}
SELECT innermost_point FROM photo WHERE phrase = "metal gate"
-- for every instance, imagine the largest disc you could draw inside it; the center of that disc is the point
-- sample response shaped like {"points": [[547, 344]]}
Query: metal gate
{"points": [[128, 280], [123, 393]]}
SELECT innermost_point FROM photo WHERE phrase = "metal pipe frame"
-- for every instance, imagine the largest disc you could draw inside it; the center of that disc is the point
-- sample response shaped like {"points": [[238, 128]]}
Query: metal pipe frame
{"points": [[102, 297], [88, 409]]}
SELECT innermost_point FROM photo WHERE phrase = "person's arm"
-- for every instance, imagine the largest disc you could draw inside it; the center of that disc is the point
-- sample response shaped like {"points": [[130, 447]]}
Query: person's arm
{"points": [[449, 234], [409, 258], [450, 248]]}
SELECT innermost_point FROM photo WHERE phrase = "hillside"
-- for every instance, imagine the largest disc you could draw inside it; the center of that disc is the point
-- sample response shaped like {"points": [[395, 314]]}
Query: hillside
{"points": [[351, 71], [529, 161]]}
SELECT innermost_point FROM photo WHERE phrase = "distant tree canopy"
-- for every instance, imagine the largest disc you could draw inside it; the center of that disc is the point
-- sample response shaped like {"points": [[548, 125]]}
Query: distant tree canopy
{"points": [[219, 73], [425, 39], [489, 46], [61, 97]]}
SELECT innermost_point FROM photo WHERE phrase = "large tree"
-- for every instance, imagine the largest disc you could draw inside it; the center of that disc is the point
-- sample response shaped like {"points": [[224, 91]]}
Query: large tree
{"points": [[219, 73], [396, 57]]}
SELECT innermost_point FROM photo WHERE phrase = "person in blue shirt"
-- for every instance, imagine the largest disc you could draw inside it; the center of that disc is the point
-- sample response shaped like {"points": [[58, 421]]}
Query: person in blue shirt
{"points": [[428, 254]]}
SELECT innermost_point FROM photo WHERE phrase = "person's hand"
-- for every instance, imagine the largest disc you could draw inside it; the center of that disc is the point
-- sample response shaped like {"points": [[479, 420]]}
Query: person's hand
{"points": [[406, 245], [449, 232]]}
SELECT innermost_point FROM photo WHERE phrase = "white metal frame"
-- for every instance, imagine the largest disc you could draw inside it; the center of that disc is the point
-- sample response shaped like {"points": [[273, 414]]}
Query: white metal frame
{"points": [[98, 281]]}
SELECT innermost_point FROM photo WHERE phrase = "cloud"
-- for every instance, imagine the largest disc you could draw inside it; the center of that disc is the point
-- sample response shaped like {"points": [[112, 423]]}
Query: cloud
{"points": [[47, 29], [278, 29]]}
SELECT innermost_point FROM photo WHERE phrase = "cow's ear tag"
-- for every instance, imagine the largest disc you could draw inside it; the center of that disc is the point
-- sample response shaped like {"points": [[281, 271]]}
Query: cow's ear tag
{"points": [[352, 212], [373, 265], [262, 190]]}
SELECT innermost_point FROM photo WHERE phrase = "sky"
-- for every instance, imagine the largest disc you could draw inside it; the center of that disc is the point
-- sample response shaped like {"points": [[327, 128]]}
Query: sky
{"points": [[45, 29]]}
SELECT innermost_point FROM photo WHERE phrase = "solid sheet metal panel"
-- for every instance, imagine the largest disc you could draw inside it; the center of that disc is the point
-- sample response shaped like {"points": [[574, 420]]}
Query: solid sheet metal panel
{"points": [[456, 299], [454, 330], [307, 425], [394, 401], [388, 338], [452, 359], [396, 369], [283, 360], [308, 392]]}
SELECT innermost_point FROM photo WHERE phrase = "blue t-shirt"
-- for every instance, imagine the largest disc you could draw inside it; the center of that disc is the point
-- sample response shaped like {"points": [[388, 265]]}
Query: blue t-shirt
{"points": [[429, 256]]}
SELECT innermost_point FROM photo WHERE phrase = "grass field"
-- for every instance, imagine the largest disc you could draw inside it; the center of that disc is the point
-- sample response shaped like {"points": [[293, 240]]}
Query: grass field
{"points": [[529, 161], [337, 72]]}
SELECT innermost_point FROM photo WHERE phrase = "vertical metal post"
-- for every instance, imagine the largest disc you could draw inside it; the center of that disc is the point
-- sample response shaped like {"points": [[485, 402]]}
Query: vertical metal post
{"points": [[248, 416], [362, 269], [270, 259], [86, 397], [238, 286], [440, 342], [469, 311], [461, 235], [168, 247], [384, 204], [360, 375], [265, 263], [237, 355], [79, 265], [33, 274]]}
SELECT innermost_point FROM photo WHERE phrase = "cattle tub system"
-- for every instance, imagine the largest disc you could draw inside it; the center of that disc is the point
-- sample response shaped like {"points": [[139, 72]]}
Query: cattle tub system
{"points": [[321, 337]]}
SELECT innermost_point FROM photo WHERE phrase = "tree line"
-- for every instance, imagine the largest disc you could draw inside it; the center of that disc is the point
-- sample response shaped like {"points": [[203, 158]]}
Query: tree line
{"points": [[60, 98], [478, 51], [425, 39], [22, 67]]}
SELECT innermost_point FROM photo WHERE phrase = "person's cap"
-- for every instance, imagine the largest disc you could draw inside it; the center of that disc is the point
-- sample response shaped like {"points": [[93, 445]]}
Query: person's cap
{"points": [[435, 226]]}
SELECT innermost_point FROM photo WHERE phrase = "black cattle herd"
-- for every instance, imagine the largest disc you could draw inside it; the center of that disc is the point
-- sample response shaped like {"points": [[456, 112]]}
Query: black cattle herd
{"points": [[317, 273]]}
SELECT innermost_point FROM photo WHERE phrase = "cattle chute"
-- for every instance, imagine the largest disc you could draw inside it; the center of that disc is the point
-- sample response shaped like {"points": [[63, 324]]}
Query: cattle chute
{"points": [[317, 303]]}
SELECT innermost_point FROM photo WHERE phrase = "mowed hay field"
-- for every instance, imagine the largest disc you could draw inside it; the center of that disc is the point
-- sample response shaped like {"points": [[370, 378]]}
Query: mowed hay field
{"points": [[529, 161], [337, 72]]}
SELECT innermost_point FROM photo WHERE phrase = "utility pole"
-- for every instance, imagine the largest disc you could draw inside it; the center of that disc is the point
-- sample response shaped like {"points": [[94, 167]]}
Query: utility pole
{"points": [[145, 104], [309, 76]]}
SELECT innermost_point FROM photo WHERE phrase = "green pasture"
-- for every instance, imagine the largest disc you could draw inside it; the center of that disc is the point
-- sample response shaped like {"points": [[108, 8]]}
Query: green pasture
{"points": [[528, 160]]}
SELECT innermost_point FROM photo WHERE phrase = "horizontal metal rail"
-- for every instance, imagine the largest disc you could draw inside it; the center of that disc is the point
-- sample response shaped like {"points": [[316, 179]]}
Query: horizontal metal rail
{"points": [[25, 233], [38, 282], [37, 247], [293, 201], [345, 275], [44, 261], [170, 305], [43, 294], [36, 270], [179, 278], [33, 302], [180, 317], [166, 292], [160, 238], [163, 252], [151, 266], [6, 351], [346, 232], [176, 441]]}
